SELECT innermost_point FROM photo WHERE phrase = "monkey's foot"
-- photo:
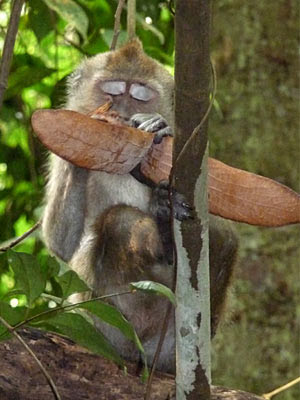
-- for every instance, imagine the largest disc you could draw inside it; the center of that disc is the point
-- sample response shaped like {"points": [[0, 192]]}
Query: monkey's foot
{"points": [[161, 206]]}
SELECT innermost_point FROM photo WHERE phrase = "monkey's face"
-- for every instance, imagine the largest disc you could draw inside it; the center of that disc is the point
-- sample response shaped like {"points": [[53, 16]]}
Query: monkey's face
{"points": [[131, 80], [128, 97]]}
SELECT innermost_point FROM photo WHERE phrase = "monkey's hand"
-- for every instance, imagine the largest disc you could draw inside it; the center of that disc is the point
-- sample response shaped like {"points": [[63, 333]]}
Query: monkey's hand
{"points": [[161, 207], [153, 123]]}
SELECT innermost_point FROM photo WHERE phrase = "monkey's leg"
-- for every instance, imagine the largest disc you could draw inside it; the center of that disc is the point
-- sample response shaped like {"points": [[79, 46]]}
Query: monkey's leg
{"points": [[133, 245], [128, 242], [223, 246], [125, 247]]}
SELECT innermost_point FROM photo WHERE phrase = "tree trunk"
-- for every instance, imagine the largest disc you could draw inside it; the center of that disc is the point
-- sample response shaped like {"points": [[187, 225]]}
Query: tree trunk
{"points": [[192, 82]]}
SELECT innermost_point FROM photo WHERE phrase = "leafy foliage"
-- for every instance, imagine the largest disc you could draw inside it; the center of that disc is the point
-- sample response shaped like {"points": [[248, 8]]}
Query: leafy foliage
{"points": [[29, 277], [65, 318], [83, 332]]}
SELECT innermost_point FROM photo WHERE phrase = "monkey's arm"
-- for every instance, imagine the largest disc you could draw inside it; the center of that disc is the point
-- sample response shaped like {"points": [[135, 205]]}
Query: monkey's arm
{"points": [[160, 205], [63, 219]]}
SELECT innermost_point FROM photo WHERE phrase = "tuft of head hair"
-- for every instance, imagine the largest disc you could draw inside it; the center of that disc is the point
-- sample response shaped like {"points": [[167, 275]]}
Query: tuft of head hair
{"points": [[131, 59]]}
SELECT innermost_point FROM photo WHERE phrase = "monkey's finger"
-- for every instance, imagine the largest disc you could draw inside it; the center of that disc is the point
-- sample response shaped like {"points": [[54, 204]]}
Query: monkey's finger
{"points": [[153, 124], [188, 206], [139, 119], [182, 215], [167, 131]]}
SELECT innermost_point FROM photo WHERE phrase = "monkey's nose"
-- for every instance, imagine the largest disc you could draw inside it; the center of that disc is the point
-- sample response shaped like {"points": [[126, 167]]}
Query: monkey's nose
{"points": [[122, 112]]}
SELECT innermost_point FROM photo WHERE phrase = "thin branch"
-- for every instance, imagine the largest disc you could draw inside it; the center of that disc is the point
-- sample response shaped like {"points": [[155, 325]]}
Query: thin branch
{"points": [[46, 374], [117, 24], [21, 238], [158, 350], [9, 44], [288, 385], [171, 6], [197, 129], [131, 15], [65, 307]]}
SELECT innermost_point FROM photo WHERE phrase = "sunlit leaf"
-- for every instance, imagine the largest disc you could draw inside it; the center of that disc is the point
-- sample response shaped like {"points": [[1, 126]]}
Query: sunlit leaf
{"points": [[112, 316], [25, 76], [82, 332], [154, 288], [53, 266], [28, 275], [71, 283], [72, 13], [39, 18], [11, 315]]}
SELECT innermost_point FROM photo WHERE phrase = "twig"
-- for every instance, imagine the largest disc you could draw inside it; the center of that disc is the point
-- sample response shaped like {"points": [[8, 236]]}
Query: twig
{"points": [[269, 395], [158, 350], [46, 374], [21, 238], [9, 46], [198, 127], [65, 307], [131, 15], [147, 27], [117, 24], [171, 6]]}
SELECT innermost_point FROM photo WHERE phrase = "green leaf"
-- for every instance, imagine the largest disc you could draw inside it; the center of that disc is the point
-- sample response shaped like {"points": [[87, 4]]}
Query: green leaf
{"points": [[49, 265], [53, 267], [154, 288], [82, 332], [28, 274], [72, 13], [64, 267], [25, 76], [11, 315], [112, 316], [71, 283], [3, 261], [39, 19]]}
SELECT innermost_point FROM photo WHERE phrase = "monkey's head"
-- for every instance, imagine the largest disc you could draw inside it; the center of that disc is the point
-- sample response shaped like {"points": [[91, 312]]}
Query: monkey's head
{"points": [[134, 82]]}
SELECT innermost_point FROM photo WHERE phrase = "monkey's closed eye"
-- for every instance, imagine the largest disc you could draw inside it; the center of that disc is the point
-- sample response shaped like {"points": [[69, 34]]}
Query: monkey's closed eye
{"points": [[114, 88], [141, 92]]}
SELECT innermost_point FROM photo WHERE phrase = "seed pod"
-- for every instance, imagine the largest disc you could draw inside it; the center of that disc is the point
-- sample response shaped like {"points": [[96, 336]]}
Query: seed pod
{"points": [[91, 143], [102, 142]]}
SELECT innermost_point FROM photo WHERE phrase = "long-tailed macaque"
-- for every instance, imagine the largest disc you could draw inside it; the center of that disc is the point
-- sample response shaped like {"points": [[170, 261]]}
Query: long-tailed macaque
{"points": [[113, 229]]}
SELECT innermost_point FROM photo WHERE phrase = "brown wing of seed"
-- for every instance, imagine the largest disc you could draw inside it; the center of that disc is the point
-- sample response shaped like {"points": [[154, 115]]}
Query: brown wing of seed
{"points": [[109, 146], [157, 163], [233, 193], [245, 197], [91, 143]]}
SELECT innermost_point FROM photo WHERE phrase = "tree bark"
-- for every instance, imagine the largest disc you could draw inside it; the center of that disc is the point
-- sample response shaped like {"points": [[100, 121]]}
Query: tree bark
{"points": [[78, 374], [9, 44], [192, 82]]}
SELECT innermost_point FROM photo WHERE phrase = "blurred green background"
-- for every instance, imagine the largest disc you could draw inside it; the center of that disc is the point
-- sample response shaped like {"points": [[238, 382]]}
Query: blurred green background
{"points": [[254, 126]]}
